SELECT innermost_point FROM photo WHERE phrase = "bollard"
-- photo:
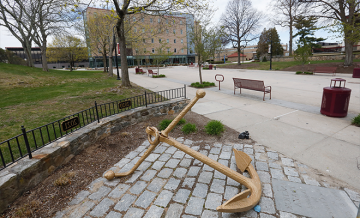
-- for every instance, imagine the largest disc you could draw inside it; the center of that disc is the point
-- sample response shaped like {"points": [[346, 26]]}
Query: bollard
{"points": [[219, 80]]}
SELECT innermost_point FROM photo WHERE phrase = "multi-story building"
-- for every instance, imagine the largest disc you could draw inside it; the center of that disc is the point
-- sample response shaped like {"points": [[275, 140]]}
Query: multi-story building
{"points": [[151, 36]]}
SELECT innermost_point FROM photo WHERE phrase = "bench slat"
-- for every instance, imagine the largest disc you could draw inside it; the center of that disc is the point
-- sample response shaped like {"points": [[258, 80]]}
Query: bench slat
{"points": [[256, 85]]}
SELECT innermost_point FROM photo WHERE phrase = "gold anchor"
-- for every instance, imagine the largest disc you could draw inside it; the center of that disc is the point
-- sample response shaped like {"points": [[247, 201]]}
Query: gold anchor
{"points": [[243, 201]]}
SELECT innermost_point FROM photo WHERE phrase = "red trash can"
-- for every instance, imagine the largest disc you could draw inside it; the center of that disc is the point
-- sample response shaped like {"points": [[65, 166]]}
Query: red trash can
{"points": [[335, 100], [210, 67], [356, 73]]}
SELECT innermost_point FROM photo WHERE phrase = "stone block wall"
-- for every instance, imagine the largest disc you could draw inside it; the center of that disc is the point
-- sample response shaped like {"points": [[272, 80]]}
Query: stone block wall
{"points": [[27, 173], [316, 58]]}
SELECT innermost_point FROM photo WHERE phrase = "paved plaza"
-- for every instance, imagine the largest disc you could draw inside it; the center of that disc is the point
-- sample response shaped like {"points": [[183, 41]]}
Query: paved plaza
{"points": [[298, 152]]}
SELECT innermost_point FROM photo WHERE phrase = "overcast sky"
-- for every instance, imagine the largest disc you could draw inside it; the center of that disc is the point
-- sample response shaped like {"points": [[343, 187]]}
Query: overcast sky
{"points": [[7, 40]]}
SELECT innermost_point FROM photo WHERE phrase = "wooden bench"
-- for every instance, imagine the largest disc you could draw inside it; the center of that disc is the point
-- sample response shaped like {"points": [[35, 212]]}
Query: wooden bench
{"points": [[325, 70], [256, 85], [139, 71], [151, 72]]}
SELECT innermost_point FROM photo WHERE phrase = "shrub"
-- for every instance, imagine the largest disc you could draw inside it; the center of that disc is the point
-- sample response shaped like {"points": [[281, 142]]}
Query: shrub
{"points": [[264, 59], [205, 84], [181, 122], [188, 128], [158, 76], [308, 73], [164, 123], [64, 179], [205, 68], [298, 72], [356, 120], [214, 127]]}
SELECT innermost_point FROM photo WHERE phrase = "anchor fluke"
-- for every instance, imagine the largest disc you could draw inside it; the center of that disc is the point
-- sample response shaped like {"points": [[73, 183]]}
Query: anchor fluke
{"points": [[242, 160]]}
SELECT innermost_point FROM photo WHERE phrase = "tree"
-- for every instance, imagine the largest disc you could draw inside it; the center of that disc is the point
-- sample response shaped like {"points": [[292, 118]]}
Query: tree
{"points": [[68, 49], [306, 28], [161, 54], [303, 52], [240, 22], [345, 18], [152, 7], [285, 12], [266, 38]]}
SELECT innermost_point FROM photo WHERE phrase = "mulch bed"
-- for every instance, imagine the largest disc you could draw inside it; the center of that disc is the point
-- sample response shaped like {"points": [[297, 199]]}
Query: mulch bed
{"points": [[46, 199]]}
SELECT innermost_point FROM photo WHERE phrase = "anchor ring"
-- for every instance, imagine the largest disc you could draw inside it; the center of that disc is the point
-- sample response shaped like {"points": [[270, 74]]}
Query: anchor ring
{"points": [[157, 136]]}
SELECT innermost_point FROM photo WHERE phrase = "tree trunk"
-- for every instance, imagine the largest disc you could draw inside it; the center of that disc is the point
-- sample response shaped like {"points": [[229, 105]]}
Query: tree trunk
{"points": [[348, 53], [199, 64], [238, 51], [290, 40], [111, 69], [124, 67], [27, 48], [43, 58], [104, 58]]}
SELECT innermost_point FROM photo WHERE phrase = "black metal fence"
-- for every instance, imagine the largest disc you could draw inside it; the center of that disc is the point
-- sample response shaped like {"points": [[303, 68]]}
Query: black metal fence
{"points": [[24, 144]]}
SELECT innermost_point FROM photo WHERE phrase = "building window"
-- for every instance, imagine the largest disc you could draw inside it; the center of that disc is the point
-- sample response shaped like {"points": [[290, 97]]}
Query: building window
{"points": [[174, 40], [174, 31], [158, 20], [167, 22], [144, 41], [168, 50], [136, 51], [182, 41], [151, 20], [142, 19], [159, 40], [181, 31], [144, 50], [134, 19], [167, 31], [167, 41], [135, 30], [152, 40], [151, 30], [153, 50], [174, 50], [180, 22], [182, 50]]}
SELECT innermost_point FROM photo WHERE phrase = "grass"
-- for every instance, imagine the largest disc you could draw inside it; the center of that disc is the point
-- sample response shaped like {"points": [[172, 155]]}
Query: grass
{"points": [[158, 76], [356, 121], [214, 127], [188, 128], [205, 84], [32, 98], [166, 122]]}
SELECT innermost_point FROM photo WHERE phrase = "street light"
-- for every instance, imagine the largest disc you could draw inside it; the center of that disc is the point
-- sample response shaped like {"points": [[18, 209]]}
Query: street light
{"points": [[117, 66]]}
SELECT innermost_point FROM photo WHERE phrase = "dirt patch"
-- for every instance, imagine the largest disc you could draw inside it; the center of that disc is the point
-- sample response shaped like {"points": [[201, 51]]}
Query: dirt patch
{"points": [[242, 66], [311, 67], [59, 188]]}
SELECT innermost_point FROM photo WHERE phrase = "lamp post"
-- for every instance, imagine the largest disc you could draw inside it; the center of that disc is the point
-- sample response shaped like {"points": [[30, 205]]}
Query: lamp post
{"points": [[116, 60], [270, 49]]}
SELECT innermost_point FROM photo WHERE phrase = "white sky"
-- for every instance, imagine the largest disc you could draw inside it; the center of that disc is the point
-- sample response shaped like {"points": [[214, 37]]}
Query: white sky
{"points": [[7, 40]]}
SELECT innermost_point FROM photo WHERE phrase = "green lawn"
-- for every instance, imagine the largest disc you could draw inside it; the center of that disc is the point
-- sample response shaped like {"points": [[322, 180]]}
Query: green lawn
{"points": [[32, 98]]}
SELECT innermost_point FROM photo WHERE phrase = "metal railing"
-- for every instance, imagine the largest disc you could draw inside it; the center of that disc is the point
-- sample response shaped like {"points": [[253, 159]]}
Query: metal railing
{"points": [[22, 145]]}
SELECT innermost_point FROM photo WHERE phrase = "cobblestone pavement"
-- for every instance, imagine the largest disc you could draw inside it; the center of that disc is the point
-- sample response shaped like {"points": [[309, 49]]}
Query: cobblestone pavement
{"points": [[170, 184]]}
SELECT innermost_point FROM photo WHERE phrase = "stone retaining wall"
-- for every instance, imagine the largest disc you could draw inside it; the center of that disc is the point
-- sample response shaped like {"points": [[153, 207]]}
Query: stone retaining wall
{"points": [[27, 173], [316, 58]]}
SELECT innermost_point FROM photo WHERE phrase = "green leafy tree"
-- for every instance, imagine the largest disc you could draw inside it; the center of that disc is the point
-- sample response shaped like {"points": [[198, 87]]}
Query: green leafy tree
{"points": [[161, 54], [3, 57], [68, 49], [266, 38], [303, 52], [306, 27]]}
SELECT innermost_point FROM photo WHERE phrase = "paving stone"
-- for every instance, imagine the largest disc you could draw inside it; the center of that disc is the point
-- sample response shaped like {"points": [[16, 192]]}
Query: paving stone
{"points": [[287, 215], [273, 155], [198, 163], [171, 150], [122, 162], [204, 152], [180, 172], [164, 198], [291, 171], [140, 148], [249, 151], [195, 206], [94, 185], [134, 213], [213, 157], [142, 153], [144, 166], [219, 145], [132, 154], [179, 154], [287, 162], [225, 155], [188, 142], [174, 211], [259, 149], [146, 143], [200, 190], [264, 176], [249, 214], [114, 214], [277, 174], [195, 148], [215, 150], [294, 179], [112, 183], [262, 166], [165, 173], [264, 215], [125, 202], [185, 163], [227, 148], [160, 150], [82, 209], [172, 184], [154, 212], [134, 177], [207, 147], [102, 207], [158, 165], [239, 147], [148, 175], [188, 216], [172, 163], [103, 191], [152, 157], [182, 195], [302, 165], [312, 201], [353, 195], [145, 199], [156, 185], [267, 190], [209, 214], [127, 167], [180, 139], [193, 171], [232, 182], [267, 205], [188, 183], [218, 186], [205, 177], [79, 197], [119, 191], [138, 187], [274, 165], [207, 168], [230, 192], [310, 181], [213, 200], [164, 157]]}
